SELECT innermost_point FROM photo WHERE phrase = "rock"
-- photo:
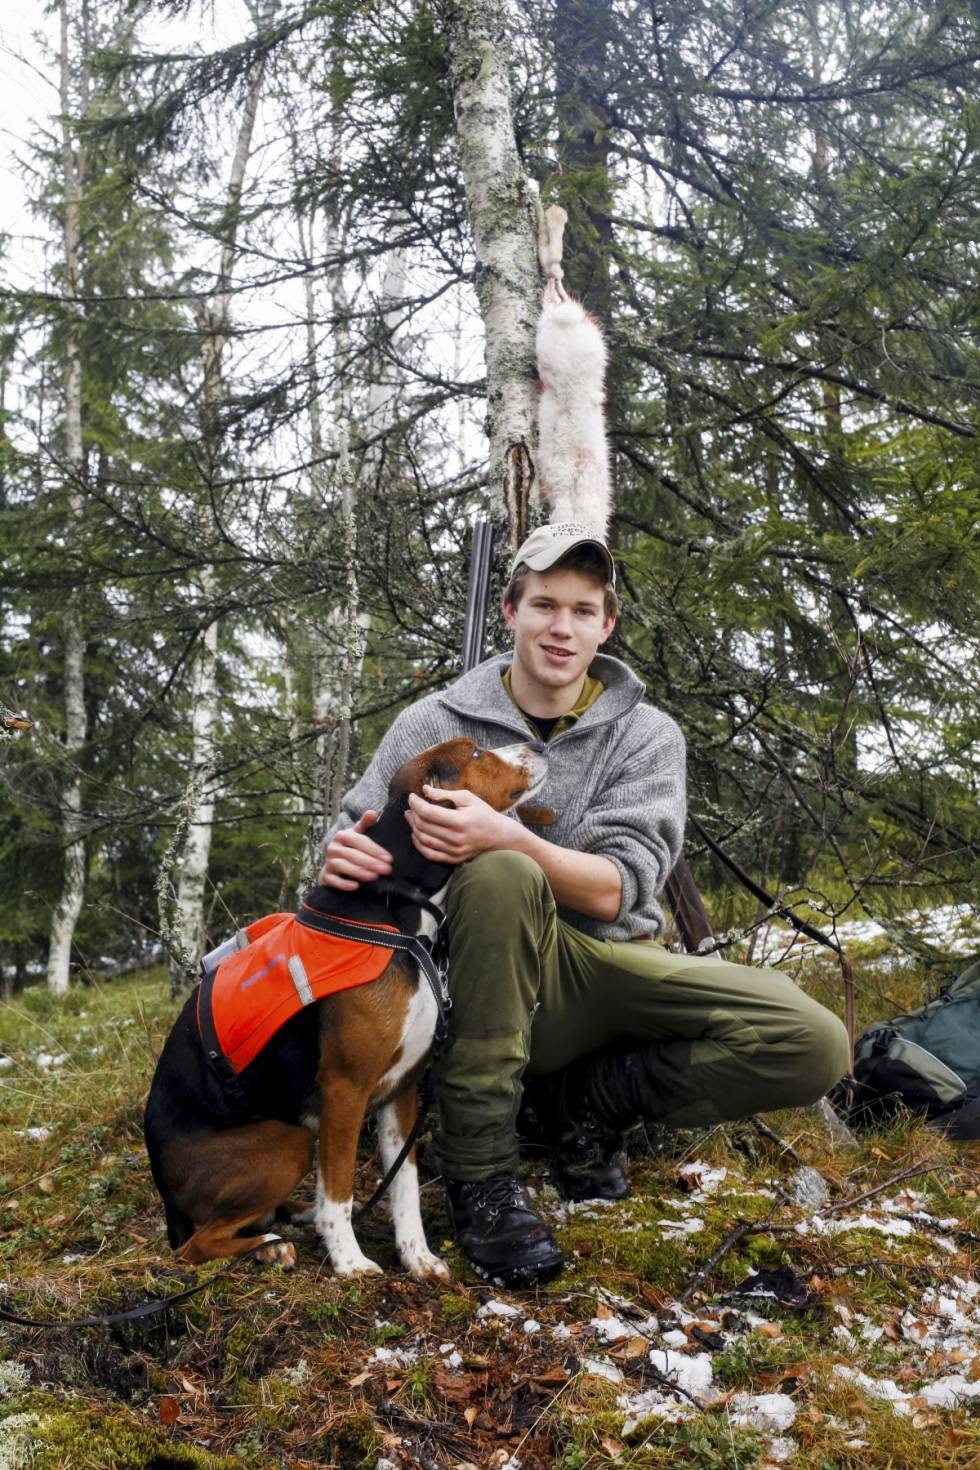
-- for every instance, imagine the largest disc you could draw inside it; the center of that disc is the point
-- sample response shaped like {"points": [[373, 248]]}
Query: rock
{"points": [[808, 1188]]}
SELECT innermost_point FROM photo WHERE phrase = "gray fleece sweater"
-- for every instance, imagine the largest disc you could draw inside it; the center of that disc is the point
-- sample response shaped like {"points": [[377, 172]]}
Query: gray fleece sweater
{"points": [[615, 779]]}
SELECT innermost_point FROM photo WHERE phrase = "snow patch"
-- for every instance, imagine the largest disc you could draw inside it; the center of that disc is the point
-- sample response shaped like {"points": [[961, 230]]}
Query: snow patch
{"points": [[497, 1308]]}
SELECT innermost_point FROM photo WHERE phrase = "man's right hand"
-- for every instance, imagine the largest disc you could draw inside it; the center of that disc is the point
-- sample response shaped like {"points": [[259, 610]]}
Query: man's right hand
{"points": [[352, 858]]}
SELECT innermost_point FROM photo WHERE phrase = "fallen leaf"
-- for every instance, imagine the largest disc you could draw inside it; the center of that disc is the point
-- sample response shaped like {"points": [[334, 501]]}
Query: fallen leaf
{"points": [[469, 1414], [169, 1410], [361, 1378], [794, 1370], [892, 1331], [925, 1420], [612, 1447], [392, 1385], [879, 1153], [457, 1388], [769, 1329], [690, 1182], [815, 1415], [46, 1184], [960, 1355], [603, 1313], [552, 1378]]}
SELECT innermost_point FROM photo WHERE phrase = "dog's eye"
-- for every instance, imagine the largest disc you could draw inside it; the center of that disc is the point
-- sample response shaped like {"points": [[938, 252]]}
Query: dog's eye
{"points": [[477, 754]]}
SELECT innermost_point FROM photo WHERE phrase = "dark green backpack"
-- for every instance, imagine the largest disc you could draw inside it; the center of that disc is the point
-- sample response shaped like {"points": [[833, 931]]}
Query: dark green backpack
{"points": [[928, 1061]]}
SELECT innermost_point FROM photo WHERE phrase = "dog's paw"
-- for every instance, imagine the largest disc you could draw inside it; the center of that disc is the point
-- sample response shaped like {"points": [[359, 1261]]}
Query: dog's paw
{"points": [[424, 1265], [305, 1216], [359, 1265], [277, 1253]]}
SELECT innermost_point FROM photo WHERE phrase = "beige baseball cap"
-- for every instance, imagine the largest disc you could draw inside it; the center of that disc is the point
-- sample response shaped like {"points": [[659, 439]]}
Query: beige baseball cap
{"points": [[550, 543]]}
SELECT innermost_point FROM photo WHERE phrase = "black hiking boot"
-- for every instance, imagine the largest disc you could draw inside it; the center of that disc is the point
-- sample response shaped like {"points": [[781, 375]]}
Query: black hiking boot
{"points": [[590, 1163], [497, 1228], [586, 1159]]}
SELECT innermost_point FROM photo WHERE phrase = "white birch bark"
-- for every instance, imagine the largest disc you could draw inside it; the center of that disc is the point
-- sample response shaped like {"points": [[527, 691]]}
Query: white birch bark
{"points": [[387, 380], [502, 217], [184, 935], [69, 903]]}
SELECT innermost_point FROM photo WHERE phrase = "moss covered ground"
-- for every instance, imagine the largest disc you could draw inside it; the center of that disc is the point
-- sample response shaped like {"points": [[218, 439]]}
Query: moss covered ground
{"points": [[842, 1338]]}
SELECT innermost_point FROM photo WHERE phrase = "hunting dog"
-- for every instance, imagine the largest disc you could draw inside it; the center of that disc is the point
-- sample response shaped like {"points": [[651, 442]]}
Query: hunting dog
{"points": [[226, 1152]]}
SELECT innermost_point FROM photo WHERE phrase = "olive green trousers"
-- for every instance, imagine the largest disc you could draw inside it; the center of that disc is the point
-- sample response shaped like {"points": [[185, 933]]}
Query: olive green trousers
{"points": [[531, 993]]}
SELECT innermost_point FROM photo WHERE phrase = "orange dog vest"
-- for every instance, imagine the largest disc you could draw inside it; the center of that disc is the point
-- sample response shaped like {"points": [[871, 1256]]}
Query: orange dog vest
{"points": [[284, 966]]}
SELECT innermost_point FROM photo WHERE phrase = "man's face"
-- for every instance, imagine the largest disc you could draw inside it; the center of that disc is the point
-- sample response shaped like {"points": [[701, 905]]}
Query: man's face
{"points": [[558, 625]]}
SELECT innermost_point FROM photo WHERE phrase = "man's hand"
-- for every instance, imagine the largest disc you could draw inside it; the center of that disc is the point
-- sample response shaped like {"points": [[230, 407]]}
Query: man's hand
{"points": [[453, 834], [352, 858]]}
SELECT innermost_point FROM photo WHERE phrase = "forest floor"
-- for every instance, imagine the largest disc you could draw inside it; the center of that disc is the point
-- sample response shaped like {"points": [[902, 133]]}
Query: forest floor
{"points": [[711, 1320]]}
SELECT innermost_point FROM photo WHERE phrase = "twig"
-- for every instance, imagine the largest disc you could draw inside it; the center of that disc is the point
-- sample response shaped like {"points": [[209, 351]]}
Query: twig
{"points": [[669, 1382], [774, 1137], [956, 1231], [743, 1228], [764, 1129], [845, 1204]]}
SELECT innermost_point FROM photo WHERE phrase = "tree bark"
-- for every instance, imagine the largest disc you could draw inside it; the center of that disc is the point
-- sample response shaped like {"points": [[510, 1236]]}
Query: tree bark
{"points": [[502, 218], [69, 903], [185, 940]]}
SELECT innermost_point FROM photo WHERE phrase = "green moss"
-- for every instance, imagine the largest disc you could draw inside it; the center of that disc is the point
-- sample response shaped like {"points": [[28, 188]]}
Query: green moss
{"points": [[706, 1442], [353, 1442], [271, 1401], [85, 1437], [454, 1307], [753, 1360], [238, 1341], [383, 1332], [651, 1257]]}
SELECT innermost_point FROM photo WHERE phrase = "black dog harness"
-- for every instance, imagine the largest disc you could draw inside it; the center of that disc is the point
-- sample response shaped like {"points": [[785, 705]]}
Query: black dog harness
{"points": [[226, 1061]]}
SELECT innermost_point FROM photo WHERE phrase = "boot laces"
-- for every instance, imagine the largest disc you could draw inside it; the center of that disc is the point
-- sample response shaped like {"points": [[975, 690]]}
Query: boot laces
{"points": [[501, 1192]]}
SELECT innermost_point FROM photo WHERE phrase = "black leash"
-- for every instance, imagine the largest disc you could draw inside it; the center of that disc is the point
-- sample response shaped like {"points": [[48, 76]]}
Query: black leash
{"points": [[144, 1309]]}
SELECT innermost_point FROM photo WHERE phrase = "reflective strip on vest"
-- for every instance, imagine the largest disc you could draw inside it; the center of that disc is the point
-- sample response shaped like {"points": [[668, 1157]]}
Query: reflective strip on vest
{"points": [[300, 980], [285, 967]]}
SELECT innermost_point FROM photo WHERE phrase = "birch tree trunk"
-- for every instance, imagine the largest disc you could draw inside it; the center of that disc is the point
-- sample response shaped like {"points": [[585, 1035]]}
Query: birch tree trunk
{"points": [[69, 904], [503, 220], [185, 937]]}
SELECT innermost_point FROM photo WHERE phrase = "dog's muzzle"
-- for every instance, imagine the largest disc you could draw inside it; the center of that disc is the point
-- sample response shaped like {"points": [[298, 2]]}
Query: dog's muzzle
{"points": [[530, 759]]}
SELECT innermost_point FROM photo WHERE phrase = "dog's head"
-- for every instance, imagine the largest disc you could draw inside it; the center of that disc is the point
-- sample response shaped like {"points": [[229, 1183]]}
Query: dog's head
{"points": [[503, 778]]}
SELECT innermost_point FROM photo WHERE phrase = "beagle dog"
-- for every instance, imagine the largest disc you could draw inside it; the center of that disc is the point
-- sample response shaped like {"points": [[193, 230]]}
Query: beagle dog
{"points": [[229, 1143]]}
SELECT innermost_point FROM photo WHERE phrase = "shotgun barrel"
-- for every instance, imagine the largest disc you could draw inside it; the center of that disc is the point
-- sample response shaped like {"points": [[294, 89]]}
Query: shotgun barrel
{"points": [[477, 592]]}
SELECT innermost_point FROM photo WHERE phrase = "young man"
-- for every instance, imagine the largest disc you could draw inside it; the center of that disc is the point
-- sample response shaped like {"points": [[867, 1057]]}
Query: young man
{"points": [[547, 980]]}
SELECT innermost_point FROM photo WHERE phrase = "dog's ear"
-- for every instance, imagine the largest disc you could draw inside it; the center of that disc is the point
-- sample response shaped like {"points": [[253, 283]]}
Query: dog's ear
{"points": [[419, 772], [403, 782]]}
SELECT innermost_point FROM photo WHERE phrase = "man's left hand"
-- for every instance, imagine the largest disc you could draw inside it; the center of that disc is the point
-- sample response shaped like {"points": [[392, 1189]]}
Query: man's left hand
{"points": [[452, 834]]}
